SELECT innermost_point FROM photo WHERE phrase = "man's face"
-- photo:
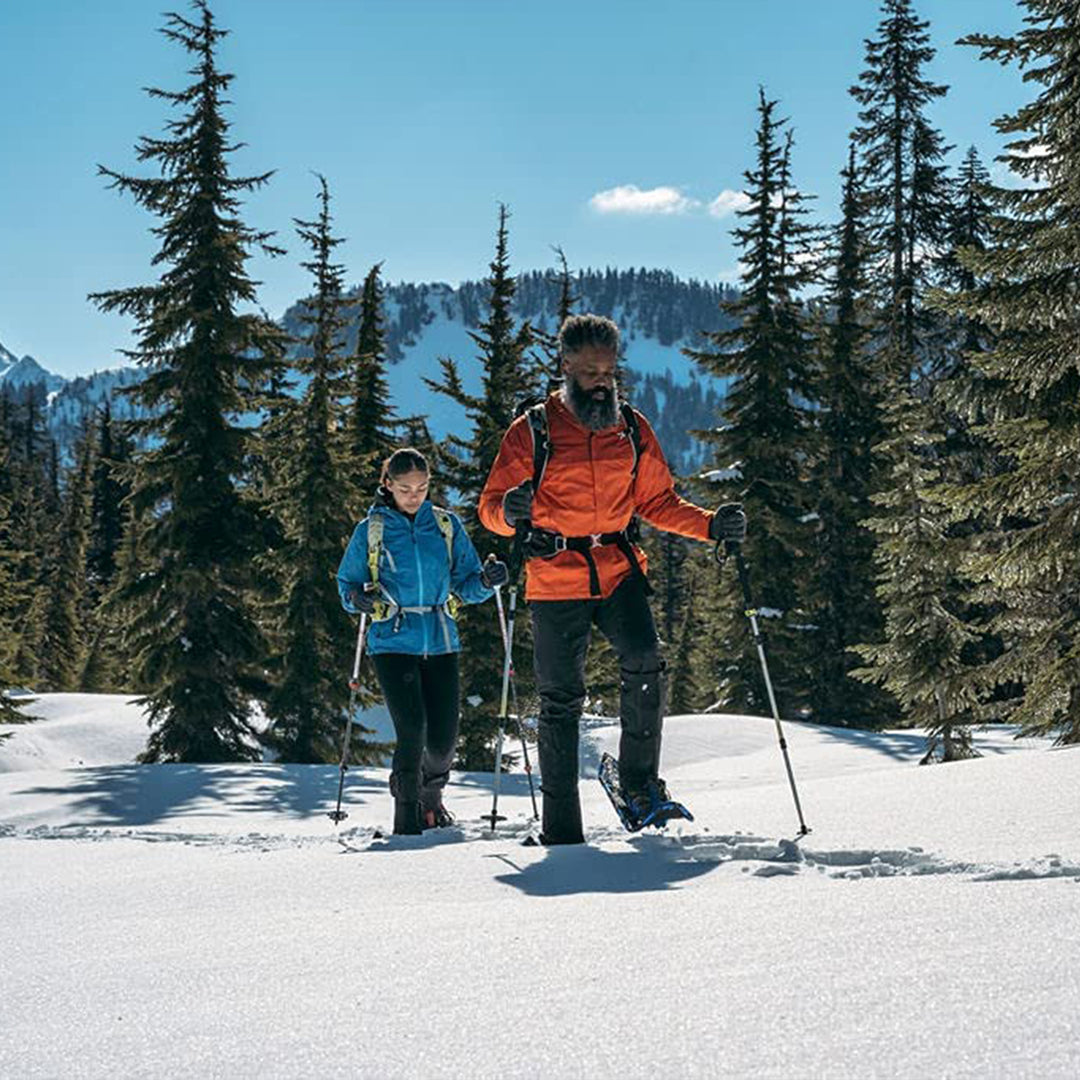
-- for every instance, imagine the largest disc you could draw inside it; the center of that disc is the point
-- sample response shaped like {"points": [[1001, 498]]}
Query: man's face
{"points": [[590, 384]]}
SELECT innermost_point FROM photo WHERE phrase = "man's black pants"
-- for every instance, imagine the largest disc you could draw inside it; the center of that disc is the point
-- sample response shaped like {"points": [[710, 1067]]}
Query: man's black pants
{"points": [[561, 631], [422, 696]]}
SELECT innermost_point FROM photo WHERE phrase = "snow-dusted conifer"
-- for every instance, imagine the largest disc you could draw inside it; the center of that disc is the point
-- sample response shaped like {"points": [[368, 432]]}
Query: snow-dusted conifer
{"points": [[1025, 292], [466, 463], [313, 644], [189, 618], [765, 438]]}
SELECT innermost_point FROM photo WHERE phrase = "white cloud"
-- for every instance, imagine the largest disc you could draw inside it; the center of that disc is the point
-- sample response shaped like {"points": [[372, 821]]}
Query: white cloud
{"points": [[728, 202], [630, 199]]}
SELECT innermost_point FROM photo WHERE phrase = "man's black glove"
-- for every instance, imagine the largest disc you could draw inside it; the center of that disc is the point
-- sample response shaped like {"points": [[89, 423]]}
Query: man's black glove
{"points": [[517, 504], [362, 601], [728, 524], [494, 573]]}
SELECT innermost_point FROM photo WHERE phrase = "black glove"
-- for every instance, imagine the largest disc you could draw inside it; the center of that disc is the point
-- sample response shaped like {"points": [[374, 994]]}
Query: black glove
{"points": [[494, 573], [728, 524], [517, 504], [361, 601]]}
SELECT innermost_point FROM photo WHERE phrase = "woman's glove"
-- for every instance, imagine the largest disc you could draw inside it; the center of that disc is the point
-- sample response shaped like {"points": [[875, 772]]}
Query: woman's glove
{"points": [[361, 601], [494, 573]]}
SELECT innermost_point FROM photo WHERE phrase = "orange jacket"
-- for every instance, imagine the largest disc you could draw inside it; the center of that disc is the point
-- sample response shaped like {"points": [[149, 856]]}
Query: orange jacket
{"points": [[587, 488]]}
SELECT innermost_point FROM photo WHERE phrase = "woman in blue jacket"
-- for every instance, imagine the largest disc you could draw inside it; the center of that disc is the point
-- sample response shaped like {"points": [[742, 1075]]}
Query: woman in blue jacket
{"points": [[407, 566]]}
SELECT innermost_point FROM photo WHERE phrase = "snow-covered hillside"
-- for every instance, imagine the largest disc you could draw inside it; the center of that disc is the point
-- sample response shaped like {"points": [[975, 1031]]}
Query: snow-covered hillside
{"points": [[658, 314], [209, 920]]}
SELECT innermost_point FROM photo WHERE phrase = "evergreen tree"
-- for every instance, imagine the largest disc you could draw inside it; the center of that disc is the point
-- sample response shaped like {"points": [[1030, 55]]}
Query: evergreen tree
{"points": [[107, 510], [371, 422], [685, 695], [189, 623], [60, 644], [921, 661], [550, 372], [906, 191], [1025, 290], [844, 607], [311, 695], [11, 712], [108, 518], [767, 432], [908, 196], [466, 464]]}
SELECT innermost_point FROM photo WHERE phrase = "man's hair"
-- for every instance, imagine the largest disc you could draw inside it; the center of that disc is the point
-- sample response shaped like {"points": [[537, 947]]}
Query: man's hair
{"points": [[582, 331]]}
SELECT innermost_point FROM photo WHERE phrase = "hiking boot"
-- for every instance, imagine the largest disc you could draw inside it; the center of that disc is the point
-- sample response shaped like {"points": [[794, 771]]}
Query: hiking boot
{"points": [[435, 817], [406, 818], [644, 800]]}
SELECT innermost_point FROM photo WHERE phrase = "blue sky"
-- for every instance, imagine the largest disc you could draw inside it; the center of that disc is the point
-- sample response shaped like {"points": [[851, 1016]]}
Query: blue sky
{"points": [[609, 127]]}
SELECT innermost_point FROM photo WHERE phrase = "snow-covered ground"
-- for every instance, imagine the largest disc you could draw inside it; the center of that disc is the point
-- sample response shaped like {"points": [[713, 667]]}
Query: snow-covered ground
{"points": [[203, 921]]}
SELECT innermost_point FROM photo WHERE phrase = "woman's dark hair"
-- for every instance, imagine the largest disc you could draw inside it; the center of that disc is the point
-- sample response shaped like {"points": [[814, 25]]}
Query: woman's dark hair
{"points": [[403, 461]]}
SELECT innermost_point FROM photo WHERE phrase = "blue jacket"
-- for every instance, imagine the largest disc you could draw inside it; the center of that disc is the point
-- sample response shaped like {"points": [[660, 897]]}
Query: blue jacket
{"points": [[413, 572]]}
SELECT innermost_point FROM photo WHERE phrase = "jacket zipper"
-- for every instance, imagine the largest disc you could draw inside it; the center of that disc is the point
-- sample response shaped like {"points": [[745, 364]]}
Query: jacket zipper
{"points": [[420, 583]]}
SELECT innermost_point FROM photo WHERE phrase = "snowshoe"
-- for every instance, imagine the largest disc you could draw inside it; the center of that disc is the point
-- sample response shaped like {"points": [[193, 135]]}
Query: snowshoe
{"points": [[651, 805]]}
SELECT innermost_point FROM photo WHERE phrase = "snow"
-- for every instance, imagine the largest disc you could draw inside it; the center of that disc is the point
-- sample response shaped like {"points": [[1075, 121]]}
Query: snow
{"points": [[179, 920]]}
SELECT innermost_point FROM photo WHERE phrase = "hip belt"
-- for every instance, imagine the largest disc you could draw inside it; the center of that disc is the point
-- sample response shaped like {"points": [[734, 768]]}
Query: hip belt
{"points": [[546, 544]]}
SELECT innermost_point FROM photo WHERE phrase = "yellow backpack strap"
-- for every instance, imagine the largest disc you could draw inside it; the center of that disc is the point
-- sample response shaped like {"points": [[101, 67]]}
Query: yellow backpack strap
{"points": [[374, 550], [445, 521]]}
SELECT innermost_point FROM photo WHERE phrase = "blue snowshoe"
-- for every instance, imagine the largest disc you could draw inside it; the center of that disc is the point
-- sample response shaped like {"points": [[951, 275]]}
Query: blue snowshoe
{"points": [[637, 809]]}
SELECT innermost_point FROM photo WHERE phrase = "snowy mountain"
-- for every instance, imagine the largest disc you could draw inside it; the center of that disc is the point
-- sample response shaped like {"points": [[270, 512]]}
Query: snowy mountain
{"points": [[657, 313], [16, 373], [196, 920]]}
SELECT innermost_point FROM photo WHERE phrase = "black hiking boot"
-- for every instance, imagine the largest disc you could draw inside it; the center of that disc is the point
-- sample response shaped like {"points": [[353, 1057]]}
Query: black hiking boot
{"points": [[642, 801], [407, 818]]}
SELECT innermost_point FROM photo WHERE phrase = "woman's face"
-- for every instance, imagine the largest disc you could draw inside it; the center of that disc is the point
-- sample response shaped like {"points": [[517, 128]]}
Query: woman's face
{"points": [[409, 490]]}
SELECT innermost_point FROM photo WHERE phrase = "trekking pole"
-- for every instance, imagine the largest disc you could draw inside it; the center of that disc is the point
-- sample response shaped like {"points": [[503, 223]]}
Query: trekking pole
{"points": [[337, 815], [734, 547], [517, 710], [508, 642]]}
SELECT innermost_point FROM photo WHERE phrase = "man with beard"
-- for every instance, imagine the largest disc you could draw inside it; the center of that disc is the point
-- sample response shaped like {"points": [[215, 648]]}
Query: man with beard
{"points": [[602, 466]]}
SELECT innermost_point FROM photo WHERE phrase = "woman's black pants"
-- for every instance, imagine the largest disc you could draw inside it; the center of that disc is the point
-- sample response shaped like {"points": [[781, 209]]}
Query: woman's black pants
{"points": [[422, 696]]}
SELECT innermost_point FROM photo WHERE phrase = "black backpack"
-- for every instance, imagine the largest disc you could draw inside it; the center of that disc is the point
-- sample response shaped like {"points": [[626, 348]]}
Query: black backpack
{"points": [[535, 410]]}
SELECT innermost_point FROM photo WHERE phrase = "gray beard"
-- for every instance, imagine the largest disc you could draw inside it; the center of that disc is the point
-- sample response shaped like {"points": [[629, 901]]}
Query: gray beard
{"points": [[595, 409]]}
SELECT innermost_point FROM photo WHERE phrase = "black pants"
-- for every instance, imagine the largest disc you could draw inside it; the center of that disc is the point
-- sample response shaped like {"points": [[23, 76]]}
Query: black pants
{"points": [[422, 696], [561, 631]]}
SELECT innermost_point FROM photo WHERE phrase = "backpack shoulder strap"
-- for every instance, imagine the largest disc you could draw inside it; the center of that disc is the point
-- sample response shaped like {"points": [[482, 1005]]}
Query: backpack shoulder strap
{"points": [[630, 418], [374, 546], [444, 519], [538, 425]]}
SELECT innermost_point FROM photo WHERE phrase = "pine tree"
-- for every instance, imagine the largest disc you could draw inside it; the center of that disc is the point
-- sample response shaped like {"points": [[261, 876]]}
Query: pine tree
{"points": [[108, 519], [1025, 291], [905, 187], [369, 429], [908, 194], [767, 433], [550, 372], [11, 711], [108, 513], [60, 643], [190, 624], [466, 464], [311, 694], [684, 693], [843, 605]]}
